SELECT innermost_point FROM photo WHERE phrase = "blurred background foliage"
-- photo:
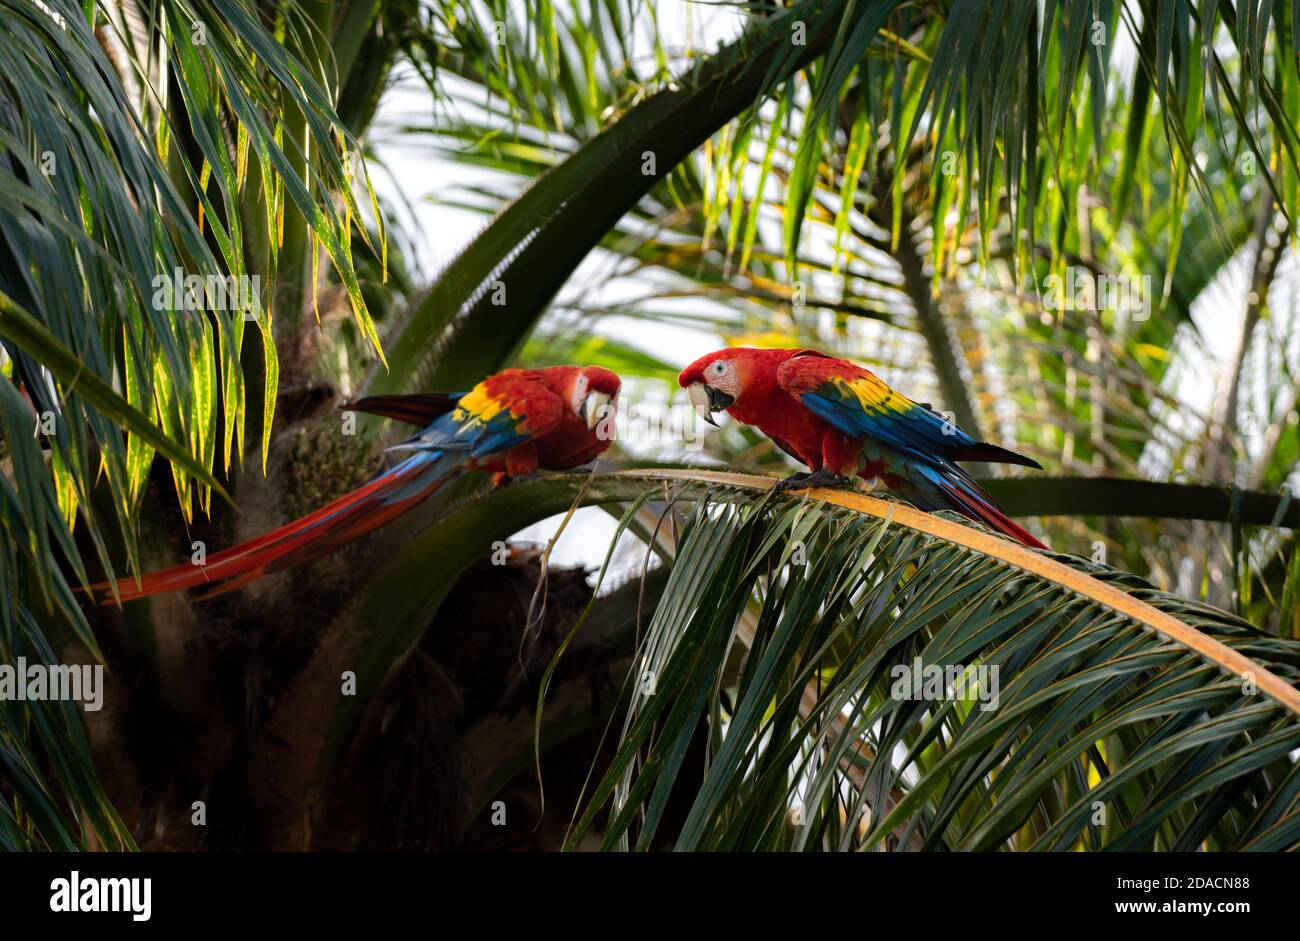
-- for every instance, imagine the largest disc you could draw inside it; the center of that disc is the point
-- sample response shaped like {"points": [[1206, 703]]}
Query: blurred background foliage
{"points": [[910, 217], [896, 182]]}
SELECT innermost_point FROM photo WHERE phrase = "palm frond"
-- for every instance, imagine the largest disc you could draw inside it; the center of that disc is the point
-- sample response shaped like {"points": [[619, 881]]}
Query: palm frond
{"points": [[1123, 716], [109, 189], [1074, 706], [491, 295]]}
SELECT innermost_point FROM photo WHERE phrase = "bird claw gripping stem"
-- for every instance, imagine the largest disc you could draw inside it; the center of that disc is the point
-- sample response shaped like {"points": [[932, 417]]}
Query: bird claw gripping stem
{"points": [[805, 481]]}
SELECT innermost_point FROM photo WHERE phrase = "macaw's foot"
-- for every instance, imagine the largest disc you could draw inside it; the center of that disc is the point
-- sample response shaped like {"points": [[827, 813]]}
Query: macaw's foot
{"points": [[805, 481], [795, 481], [826, 478]]}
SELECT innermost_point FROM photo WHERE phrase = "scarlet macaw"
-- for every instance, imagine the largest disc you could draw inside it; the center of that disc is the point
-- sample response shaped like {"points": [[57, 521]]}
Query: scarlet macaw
{"points": [[510, 424], [842, 420]]}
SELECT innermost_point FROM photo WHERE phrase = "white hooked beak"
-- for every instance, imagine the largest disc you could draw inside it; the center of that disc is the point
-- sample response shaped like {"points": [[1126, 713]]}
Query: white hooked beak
{"points": [[594, 406], [700, 401]]}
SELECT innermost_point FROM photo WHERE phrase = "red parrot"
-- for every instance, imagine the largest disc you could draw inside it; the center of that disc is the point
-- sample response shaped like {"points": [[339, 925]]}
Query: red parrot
{"points": [[510, 424], [842, 420]]}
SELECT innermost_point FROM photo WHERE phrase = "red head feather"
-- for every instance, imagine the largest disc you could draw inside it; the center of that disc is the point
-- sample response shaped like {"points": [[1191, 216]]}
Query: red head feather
{"points": [[600, 379], [746, 374], [576, 383]]}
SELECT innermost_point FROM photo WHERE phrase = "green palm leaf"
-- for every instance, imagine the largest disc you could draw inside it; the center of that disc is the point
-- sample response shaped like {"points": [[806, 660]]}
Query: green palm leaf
{"points": [[108, 183], [464, 328], [782, 619], [1122, 717]]}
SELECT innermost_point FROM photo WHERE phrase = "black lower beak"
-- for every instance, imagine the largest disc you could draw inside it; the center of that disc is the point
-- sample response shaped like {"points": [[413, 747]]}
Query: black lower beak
{"points": [[718, 400]]}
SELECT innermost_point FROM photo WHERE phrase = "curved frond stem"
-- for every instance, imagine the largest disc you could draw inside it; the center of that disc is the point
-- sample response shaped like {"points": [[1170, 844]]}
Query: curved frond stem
{"points": [[1028, 560]]}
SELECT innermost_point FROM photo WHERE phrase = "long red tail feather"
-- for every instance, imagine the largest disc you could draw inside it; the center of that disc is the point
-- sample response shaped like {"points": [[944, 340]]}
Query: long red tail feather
{"points": [[970, 505], [350, 517]]}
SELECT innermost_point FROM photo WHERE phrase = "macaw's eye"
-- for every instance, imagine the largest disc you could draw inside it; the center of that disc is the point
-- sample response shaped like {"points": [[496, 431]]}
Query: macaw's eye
{"points": [[719, 368]]}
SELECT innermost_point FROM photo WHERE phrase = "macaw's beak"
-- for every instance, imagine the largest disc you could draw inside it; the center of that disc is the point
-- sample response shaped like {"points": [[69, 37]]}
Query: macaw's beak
{"points": [[707, 400], [593, 406]]}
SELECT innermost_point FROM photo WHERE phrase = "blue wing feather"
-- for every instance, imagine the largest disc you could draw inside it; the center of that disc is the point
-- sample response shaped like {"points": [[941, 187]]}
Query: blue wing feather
{"points": [[480, 424], [917, 432]]}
